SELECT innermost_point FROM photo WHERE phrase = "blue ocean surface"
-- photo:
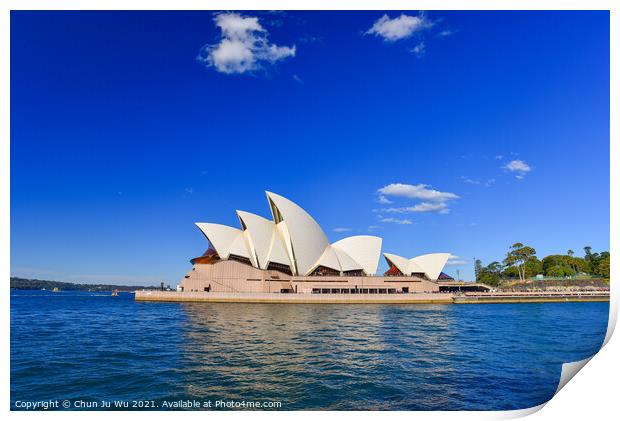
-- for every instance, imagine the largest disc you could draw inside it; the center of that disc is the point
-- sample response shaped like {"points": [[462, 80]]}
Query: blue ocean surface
{"points": [[91, 347]]}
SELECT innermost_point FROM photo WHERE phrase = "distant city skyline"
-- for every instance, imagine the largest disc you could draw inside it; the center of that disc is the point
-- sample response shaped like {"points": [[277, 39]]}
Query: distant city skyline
{"points": [[458, 132]]}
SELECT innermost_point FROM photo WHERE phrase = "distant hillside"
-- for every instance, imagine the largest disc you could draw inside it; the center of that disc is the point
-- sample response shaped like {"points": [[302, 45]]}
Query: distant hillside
{"points": [[21, 283]]}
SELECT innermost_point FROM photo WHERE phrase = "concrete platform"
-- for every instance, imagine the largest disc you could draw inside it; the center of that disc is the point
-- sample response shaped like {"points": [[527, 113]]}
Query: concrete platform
{"points": [[418, 298], [229, 297], [530, 297]]}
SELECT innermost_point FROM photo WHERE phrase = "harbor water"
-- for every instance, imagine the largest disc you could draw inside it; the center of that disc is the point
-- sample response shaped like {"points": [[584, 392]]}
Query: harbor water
{"points": [[92, 347]]}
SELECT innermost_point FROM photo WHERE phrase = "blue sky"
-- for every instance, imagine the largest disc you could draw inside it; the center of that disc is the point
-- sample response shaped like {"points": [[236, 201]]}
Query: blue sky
{"points": [[443, 131]]}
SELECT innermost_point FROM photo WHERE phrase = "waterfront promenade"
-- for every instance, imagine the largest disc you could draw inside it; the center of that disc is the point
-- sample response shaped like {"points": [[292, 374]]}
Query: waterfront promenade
{"points": [[418, 298]]}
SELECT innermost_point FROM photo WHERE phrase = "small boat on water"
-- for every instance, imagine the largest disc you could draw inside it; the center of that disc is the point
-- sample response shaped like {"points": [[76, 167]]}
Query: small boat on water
{"points": [[56, 289], [115, 293]]}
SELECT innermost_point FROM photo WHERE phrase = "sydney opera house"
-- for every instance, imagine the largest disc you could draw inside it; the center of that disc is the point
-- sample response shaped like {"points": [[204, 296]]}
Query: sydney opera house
{"points": [[291, 254]]}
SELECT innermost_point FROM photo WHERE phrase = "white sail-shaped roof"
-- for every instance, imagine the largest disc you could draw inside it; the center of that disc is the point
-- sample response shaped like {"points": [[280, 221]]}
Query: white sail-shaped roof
{"points": [[222, 238], [307, 242], [277, 250], [347, 263], [432, 263], [295, 239], [363, 249], [239, 247], [400, 262], [249, 244], [329, 259], [260, 231]]}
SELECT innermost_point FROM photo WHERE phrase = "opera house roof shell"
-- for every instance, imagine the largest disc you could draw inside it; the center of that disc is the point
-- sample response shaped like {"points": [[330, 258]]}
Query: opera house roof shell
{"points": [[295, 241]]}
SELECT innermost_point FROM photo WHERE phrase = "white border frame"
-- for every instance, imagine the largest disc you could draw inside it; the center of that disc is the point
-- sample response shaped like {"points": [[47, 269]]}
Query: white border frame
{"points": [[592, 395]]}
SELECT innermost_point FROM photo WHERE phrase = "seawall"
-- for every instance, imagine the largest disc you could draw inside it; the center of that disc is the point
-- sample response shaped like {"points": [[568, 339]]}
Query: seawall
{"points": [[418, 298], [531, 297], [231, 297]]}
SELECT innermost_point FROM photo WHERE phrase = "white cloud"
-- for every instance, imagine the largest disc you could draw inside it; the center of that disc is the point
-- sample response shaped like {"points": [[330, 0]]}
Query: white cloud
{"points": [[342, 229], [416, 191], [399, 28], [499, 157], [519, 167], [419, 49], [397, 221], [446, 33], [372, 228], [384, 200], [244, 46], [189, 190], [455, 261], [469, 180], [440, 207]]}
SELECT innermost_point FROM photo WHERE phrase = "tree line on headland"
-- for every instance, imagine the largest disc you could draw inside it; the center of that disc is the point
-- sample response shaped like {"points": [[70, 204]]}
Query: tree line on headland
{"points": [[522, 263], [22, 283]]}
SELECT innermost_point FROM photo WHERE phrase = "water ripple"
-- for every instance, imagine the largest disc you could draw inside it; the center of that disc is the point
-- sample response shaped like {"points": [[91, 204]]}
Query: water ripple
{"points": [[381, 357]]}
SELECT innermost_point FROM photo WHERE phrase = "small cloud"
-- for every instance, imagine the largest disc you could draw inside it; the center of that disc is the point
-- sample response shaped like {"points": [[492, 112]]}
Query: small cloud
{"points": [[416, 191], [297, 79], [342, 229], [189, 190], [401, 27], [499, 157], [519, 167], [397, 221], [469, 180], [446, 33], [455, 261], [372, 228], [244, 46], [419, 49], [310, 39], [420, 207], [489, 182], [384, 200]]}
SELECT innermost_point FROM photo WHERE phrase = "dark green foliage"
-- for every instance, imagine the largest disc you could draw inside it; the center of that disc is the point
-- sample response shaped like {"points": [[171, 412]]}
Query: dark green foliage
{"points": [[521, 263], [21, 283]]}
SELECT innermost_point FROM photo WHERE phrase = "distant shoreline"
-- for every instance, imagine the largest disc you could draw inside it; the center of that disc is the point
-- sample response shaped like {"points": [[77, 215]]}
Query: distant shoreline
{"points": [[38, 284]]}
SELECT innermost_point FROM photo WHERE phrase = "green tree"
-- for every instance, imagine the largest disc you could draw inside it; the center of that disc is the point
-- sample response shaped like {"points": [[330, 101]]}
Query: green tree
{"points": [[490, 275], [517, 256], [603, 267], [511, 272], [580, 264], [559, 271], [533, 267], [558, 265], [591, 259], [477, 268]]}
